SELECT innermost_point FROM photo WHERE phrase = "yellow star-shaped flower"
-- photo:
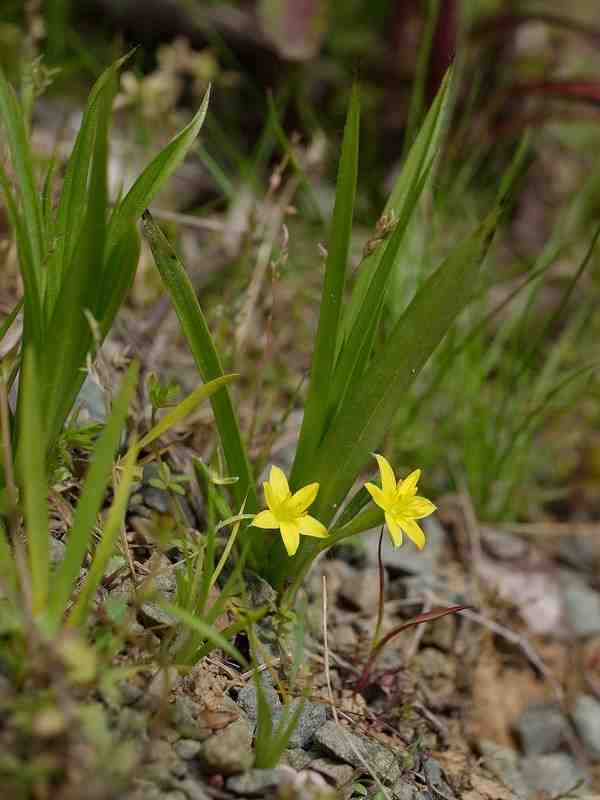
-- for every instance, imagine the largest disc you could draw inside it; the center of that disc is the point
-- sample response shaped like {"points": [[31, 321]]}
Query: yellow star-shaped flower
{"points": [[401, 504], [287, 511]]}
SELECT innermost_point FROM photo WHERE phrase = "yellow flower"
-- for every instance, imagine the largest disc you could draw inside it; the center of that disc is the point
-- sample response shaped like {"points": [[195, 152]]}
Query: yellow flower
{"points": [[287, 511], [400, 502]]}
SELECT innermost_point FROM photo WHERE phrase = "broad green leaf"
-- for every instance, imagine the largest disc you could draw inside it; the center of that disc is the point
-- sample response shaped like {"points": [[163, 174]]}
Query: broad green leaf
{"points": [[332, 297], [196, 331], [91, 498], [372, 404], [32, 477]]}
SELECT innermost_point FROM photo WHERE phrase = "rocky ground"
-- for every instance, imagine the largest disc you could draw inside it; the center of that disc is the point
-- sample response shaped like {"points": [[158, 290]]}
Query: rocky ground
{"points": [[501, 701]]}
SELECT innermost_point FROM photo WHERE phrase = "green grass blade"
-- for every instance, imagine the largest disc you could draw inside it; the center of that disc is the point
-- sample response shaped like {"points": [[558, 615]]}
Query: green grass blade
{"points": [[105, 549], [91, 498], [75, 193], [184, 408], [205, 630], [118, 274], [196, 331], [154, 176], [357, 349], [31, 295], [22, 161], [35, 489], [332, 295], [69, 335], [421, 158], [373, 403]]}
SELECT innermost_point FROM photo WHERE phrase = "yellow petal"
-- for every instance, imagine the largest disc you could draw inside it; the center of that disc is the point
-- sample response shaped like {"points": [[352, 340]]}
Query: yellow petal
{"points": [[269, 496], [419, 507], [279, 484], [409, 485], [310, 526], [266, 519], [414, 532], [388, 479], [378, 496], [394, 529], [290, 533], [303, 498]]}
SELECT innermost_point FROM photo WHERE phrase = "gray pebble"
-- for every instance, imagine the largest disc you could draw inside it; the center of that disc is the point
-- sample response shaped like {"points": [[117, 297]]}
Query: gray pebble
{"points": [[503, 763], [229, 751], [541, 729], [256, 782], [582, 604], [187, 748], [554, 773], [356, 750], [586, 718]]}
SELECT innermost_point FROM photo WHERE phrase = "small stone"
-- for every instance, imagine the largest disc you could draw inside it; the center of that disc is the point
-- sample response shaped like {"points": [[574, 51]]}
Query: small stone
{"points": [[156, 499], [256, 782], [345, 638], [435, 778], [247, 698], [501, 544], [582, 604], [362, 593], [145, 790], [297, 758], [229, 751], [586, 718], [403, 790], [541, 729], [187, 748], [130, 692], [312, 717], [356, 750], [580, 551], [554, 773], [338, 774], [179, 768], [441, 633], [161, 684], [57, 552], [185, 718], [91, 401], [503, 763], [193, 789]]}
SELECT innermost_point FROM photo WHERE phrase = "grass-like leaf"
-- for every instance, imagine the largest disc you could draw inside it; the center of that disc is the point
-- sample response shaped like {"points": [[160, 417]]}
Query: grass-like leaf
{"points": [[206, 631], [332, 296], [373, 403], [91, 498], [35, 489], [108, 541], [196, 331], [185, 407], [154, 176]]}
